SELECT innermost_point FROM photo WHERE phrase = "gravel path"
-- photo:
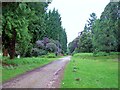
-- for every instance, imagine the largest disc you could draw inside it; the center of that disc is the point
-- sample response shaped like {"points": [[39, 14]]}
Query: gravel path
{"points": [[48, 76]]}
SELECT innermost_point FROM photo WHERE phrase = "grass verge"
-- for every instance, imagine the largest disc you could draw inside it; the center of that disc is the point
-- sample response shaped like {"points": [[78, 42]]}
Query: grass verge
{"points": [[86, 71]]}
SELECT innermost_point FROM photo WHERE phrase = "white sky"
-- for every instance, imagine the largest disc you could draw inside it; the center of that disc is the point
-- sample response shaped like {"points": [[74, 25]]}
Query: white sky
{"points": [[75, 13]]}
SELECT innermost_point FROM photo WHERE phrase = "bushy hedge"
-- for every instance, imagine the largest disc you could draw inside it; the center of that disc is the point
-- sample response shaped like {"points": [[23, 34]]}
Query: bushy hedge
{"points": [[41, 47], [40, 44], [38, 52], [51, 47], [115, 53], [101, 54]]}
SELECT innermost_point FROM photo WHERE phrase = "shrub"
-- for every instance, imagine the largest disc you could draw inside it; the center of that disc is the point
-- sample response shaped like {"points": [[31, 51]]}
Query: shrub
{"points": [[35, 52], [51, 47], [101, 54], [115, 53], [30, 46], [38, 52], [45, 40], [57, 43], [40, 44], [42, 52]]}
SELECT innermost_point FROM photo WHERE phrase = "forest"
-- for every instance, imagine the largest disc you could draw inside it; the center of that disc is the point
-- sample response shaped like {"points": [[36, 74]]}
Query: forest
{"points": [[28, 29]]}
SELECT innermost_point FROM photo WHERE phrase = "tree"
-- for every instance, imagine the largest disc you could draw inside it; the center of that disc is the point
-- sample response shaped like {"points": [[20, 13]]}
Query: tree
{"points": [[38, 27], [53, 21], [85, 40], [63, 40], [105, 30], [72, 46], [91, 21], [25, 23], [14, 26], [54, 29]]}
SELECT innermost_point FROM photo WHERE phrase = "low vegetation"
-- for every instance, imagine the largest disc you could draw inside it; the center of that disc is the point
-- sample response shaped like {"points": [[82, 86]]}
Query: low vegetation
{"points": [[88, 71]]}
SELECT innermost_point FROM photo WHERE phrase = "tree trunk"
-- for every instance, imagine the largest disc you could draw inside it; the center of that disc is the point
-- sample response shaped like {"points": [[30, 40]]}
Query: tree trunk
{"points": [[5, 52], [4, 44], [12, 45]]}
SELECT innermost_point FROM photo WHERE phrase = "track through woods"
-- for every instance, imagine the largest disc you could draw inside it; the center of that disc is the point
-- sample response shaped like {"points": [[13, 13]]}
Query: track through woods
{"points": [[48, 76]]}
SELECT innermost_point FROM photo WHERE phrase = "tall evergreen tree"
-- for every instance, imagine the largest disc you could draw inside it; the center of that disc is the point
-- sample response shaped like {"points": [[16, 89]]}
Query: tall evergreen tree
{"points": [[85, 40], [15, 17], [105, 30]]}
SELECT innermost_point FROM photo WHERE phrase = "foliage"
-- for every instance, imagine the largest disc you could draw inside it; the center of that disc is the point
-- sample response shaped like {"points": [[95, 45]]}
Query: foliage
{"points": [[38, 52], [105, 30], [23, 24], [38, 27], [73, 45], [40, 44], [15, 25], [63, 40], [100, 35], [51, 47], [85, 42], [54, 30], [45, 40]]}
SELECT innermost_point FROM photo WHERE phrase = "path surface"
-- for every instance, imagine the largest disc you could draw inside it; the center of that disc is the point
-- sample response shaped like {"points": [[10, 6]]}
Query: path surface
{"points": [[45, 77]]}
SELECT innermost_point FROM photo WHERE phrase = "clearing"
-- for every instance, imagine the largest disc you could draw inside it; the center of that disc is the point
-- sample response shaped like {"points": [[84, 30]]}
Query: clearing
{"points": [[87, 71]]}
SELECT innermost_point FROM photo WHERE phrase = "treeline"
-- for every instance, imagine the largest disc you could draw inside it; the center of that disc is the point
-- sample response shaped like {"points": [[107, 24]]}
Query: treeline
{"points": [[99, 35], [29, 30]]}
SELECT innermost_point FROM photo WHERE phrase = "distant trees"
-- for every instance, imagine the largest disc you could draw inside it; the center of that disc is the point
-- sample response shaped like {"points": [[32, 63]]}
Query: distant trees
{"points": [[73, 46], [100, 35], [25, 23], [83, 43]]}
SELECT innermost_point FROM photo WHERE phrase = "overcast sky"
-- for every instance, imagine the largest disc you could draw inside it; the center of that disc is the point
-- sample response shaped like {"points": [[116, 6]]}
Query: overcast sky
{"points": [[75, 13]]}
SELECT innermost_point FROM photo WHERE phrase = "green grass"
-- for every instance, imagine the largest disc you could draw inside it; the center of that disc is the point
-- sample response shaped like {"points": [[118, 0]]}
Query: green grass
{"points": [[22, 65], [92, 72]]}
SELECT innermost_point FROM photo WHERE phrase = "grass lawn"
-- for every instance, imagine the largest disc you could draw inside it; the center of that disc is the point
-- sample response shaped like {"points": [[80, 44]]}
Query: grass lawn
{"points": [[86, 71], [22, 65]]}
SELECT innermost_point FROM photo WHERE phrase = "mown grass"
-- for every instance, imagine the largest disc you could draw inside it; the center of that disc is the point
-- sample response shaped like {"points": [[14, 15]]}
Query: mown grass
{"points": [[86, 71], [19, 66]]}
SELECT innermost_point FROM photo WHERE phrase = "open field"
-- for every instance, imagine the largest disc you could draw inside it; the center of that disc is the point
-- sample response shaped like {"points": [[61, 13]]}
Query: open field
{"points": [[86, 71]]}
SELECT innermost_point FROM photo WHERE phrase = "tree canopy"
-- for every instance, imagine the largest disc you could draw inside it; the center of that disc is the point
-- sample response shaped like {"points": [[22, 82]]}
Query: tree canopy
{"points": [[24, 23]]}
